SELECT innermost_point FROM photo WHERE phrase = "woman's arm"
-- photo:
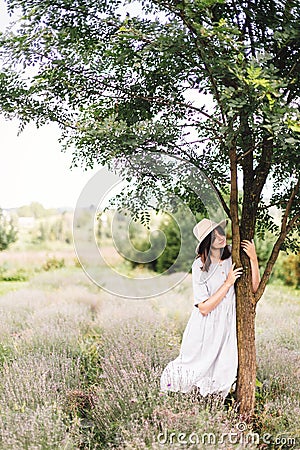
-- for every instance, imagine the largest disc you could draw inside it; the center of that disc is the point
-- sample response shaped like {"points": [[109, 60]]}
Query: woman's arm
{"points": [[255, 274], [249, 248], [208, 305]]}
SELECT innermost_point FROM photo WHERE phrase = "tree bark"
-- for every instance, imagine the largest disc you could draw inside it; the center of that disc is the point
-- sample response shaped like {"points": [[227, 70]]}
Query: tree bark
{"points": [[245, 302], [246, 380]]}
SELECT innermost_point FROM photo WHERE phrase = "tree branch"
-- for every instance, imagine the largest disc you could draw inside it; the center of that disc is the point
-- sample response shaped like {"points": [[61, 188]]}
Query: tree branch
{"points": [[293, 223], [262, 170], [234, 212], [224, 204], [286, 227], [106, 84], [245, 154], [248, 25], [206, 65], [294, 192], [185, 105], [237, 14]]}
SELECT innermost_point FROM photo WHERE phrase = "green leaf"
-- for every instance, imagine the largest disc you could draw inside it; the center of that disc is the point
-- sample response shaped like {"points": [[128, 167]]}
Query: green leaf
{"points": [[258, 383]]}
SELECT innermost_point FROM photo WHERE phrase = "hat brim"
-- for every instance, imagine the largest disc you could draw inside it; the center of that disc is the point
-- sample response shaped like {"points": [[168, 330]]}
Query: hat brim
{"points": [[223, 224]]}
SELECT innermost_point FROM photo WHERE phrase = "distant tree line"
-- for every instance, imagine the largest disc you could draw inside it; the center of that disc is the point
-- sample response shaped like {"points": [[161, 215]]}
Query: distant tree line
{"points": [[36, 210], [287, 270], [49, 225], [8, 232]]}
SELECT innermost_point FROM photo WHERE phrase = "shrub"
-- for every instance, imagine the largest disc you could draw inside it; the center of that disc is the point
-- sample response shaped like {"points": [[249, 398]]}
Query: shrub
{"points": [[53, 263], [180, 243], [8, 232], [287, 270], [7, 274]]}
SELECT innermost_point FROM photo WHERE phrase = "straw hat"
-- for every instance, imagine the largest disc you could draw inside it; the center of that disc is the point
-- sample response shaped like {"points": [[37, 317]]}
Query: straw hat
{"points": [[204, 227]]}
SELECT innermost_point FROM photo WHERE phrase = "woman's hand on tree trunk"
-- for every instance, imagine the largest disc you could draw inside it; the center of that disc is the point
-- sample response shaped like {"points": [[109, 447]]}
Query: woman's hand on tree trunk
{"points": [[249, 249], [233, 275]]}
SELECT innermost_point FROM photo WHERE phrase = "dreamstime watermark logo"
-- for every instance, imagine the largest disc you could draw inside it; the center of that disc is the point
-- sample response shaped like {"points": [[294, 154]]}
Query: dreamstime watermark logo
{"points": [[241, 435], [177, 182]]}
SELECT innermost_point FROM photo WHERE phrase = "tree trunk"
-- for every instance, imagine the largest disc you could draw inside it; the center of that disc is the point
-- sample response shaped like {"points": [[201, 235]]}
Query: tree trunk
{"points": [[246, 380], [245, 301]]}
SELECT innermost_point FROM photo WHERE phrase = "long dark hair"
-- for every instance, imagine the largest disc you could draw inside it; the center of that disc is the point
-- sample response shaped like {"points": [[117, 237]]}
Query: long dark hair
{"points": [[204, 249]]}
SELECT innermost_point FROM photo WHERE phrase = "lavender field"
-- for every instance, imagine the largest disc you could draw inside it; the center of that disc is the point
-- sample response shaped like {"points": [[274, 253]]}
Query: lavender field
{"points": [[80, 369]]}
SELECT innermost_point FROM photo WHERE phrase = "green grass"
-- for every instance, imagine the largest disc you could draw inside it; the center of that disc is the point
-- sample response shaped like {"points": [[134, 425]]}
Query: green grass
{"points": [[7, 286]]}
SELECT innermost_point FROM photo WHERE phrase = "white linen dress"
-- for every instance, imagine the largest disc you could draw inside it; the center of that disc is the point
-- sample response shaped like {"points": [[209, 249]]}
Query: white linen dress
{"points": [[208, 355]]}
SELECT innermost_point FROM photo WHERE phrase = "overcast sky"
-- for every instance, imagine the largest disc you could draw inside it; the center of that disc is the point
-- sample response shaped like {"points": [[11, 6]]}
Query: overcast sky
{"points": [[33, 168]]}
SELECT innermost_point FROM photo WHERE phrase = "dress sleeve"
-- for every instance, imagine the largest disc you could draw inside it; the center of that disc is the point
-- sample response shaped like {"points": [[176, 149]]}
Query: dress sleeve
{"points": [[199, 286]]}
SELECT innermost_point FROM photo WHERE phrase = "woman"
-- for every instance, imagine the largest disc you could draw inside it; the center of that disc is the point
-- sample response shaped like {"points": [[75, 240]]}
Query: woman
{"points": [[208, 358]]}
